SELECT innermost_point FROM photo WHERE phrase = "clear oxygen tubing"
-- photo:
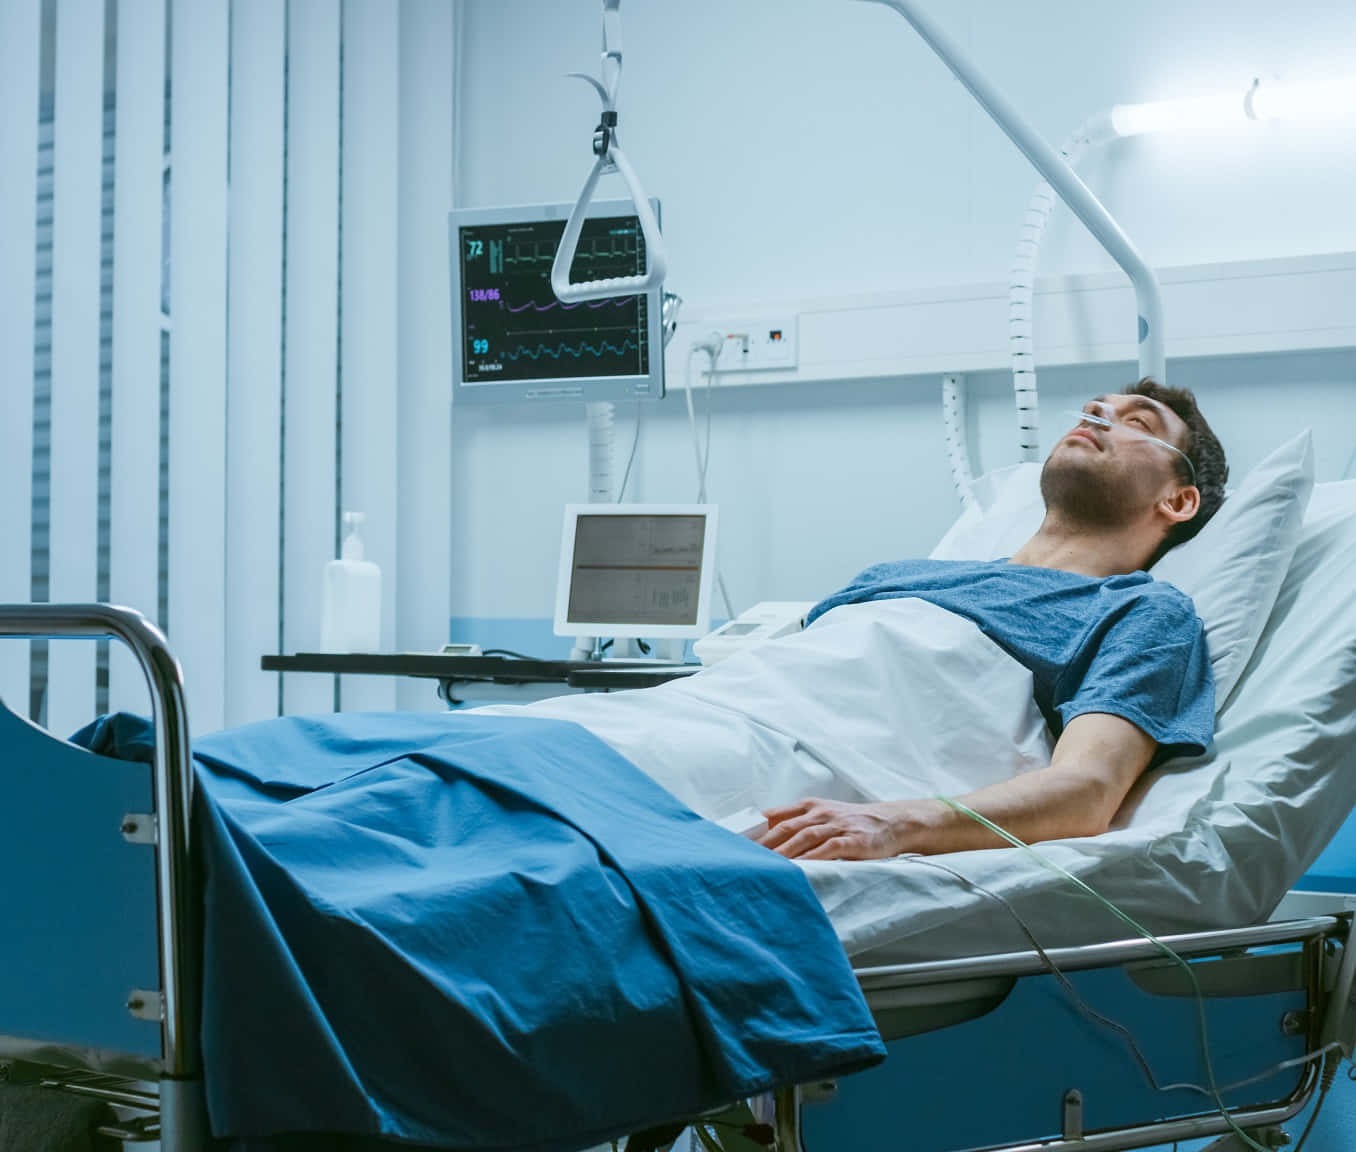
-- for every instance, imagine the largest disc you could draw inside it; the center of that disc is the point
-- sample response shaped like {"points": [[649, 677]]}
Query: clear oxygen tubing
{"points": [[1048, 162], [1213, 1089], [1093, 132], [957, 439]]}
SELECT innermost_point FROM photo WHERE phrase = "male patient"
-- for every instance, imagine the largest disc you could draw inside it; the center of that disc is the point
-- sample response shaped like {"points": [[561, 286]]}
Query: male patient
{"points": [[1119, 661]]}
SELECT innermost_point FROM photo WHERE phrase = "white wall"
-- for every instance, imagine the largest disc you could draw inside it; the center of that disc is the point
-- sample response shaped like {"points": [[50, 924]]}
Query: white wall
{"points": [[814, 147]]}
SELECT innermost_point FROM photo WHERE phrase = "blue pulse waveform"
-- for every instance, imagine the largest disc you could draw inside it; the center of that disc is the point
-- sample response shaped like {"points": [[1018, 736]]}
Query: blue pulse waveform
{"points": [[563, 349]]}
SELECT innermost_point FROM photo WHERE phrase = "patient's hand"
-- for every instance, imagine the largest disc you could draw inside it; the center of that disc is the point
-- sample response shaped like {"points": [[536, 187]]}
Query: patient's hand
{"points": [[814, 829], [1097, 759]]}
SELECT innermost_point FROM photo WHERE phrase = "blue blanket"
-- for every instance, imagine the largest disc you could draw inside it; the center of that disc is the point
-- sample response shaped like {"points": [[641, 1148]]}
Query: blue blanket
{"points": [[491, 933]]}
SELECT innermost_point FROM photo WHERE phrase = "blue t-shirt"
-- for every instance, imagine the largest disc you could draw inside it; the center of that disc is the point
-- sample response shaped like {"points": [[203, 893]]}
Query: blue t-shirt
{"points": [[1128, 645]]}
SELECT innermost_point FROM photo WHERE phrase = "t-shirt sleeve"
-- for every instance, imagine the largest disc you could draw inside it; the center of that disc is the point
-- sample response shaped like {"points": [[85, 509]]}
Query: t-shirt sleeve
{"points": [[1148, 664]]}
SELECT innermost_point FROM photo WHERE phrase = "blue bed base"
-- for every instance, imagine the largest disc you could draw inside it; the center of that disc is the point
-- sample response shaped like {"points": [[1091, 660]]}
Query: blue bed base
{"points": [[99, 994]]}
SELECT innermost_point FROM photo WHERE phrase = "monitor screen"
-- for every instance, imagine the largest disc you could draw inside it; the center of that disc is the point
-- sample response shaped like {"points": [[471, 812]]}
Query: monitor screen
{"points": [[636, 570], [514, 340]]}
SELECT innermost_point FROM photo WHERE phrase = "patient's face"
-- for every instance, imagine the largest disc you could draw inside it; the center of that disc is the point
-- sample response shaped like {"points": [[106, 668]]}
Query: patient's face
{"points": [[1108, 475]]}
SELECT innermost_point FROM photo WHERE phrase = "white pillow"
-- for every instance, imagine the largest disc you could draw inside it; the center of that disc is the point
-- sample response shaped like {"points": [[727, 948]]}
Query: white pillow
{"points": [[1232, 569], [1006, 511], [1234, 566]]}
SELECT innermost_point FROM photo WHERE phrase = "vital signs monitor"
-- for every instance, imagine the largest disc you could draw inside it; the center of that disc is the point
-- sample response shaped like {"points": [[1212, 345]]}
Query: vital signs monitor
{"points": [[512, 339], [636, 570]]}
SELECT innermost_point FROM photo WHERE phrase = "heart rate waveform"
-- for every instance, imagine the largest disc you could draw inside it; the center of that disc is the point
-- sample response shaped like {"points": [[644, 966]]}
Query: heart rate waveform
{"points": [[624, 250]]}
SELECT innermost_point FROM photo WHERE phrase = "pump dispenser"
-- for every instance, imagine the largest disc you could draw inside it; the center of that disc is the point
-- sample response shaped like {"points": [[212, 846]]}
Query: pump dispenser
{"points": [[350, 613]]}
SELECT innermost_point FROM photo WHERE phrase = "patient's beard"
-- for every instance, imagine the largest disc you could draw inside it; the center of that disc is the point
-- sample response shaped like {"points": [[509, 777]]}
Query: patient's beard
{"points": [[1083, 495]]}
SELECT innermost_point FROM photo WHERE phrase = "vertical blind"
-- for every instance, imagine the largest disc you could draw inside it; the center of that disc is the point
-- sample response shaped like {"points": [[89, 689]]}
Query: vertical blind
{"points": [[77, 267], [134, 503], [209, 231], [20, 69]]}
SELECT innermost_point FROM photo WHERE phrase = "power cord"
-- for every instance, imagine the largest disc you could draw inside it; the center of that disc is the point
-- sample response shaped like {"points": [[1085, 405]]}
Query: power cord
{"points": [[631, 459], [711, 346], [1097, 1018], [1330, 1065]]}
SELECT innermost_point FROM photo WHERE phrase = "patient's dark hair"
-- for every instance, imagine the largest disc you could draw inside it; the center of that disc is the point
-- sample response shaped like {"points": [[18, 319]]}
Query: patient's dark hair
{"points": [[1205, 452]]}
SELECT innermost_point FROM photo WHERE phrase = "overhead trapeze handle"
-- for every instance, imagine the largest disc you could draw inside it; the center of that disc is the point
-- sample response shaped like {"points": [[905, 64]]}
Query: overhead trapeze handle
{"points": [[610, 157], [655, 259]]}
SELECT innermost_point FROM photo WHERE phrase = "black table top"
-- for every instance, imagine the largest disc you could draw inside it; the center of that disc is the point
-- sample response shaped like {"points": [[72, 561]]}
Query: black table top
{"points": [[494, 669]]}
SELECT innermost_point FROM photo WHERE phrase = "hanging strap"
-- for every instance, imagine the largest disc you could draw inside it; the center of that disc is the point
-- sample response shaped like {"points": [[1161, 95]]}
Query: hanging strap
{"points": [[610, 158]]}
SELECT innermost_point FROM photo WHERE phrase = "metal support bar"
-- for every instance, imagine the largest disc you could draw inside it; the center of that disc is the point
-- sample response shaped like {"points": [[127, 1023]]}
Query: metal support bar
{"points": [[1339, 1025], [127, 1097], [1111, 1140], [1095, 955], [180, 916], [1062, 178]]}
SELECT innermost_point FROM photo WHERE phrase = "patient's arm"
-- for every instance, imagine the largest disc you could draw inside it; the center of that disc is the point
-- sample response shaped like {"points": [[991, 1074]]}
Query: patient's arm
{"points": [[1096, 760]]}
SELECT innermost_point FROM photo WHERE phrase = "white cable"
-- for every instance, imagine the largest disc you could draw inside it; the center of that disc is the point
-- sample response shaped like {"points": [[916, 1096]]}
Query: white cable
{"points": [[631, 458], [1093, 131], [692, 417], [706, 452], [712, 356], [711, 346], [957, 440]]}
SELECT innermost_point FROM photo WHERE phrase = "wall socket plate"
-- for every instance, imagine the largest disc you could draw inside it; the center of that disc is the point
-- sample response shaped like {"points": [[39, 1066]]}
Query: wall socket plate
{"points": [[758, 343]]}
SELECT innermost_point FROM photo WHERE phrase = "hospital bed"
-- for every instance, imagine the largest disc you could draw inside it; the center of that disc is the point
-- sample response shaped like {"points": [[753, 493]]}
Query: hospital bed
{"points": [[100, 994]]}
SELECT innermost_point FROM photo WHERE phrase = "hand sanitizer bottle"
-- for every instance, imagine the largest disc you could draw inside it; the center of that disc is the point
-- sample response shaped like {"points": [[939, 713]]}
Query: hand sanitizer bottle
{"points": [[350, 612]]}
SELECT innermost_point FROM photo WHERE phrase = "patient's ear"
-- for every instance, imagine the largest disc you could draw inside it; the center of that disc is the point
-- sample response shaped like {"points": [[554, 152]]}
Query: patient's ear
{"points": [[1181, 504]]}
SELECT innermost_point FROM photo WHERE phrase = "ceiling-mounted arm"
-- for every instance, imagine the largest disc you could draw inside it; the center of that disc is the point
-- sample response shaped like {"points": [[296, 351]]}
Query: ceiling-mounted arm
{"points": [[610, 158], [1048, 162]]}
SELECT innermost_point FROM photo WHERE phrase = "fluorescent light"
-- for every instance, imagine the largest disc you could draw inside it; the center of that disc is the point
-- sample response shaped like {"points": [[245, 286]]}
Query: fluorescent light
{"points": [[1200, 114], [1330, 100]]}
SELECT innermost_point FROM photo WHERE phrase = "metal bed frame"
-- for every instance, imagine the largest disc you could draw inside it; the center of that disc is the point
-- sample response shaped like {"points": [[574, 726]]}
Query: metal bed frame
{"points": [[910, 999], [163, 1098]]}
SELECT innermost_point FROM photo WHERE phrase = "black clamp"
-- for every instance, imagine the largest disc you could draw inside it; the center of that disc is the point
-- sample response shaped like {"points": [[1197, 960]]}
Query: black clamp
{"points": [[602, 135]]}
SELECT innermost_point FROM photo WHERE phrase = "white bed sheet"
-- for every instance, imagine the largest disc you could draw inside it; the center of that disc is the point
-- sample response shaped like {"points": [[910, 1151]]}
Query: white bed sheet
{"points": [[901, 698]]}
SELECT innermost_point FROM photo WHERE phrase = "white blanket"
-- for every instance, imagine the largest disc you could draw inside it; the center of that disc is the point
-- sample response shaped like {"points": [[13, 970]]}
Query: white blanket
{"points": [[873, 702]]}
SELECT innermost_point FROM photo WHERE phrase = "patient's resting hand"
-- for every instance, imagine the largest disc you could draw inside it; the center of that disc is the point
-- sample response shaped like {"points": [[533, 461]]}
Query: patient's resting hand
{"points": [[817, 829]]}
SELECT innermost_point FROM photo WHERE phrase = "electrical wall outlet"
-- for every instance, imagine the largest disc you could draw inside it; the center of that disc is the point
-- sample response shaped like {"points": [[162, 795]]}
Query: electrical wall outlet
{"points": [[758, 343]]}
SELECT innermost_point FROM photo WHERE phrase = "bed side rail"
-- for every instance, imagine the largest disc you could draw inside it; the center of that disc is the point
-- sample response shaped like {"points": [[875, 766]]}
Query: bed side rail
{"points": [[1100, 955], [180, 932]]}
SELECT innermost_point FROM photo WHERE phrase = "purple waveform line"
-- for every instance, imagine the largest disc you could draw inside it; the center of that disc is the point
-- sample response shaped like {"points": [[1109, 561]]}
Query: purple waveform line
{"points": [[556, 303]]}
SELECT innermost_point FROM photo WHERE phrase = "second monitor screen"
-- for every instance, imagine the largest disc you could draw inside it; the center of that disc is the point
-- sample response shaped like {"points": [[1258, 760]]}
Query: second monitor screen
{"points": [[636, 569]]}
